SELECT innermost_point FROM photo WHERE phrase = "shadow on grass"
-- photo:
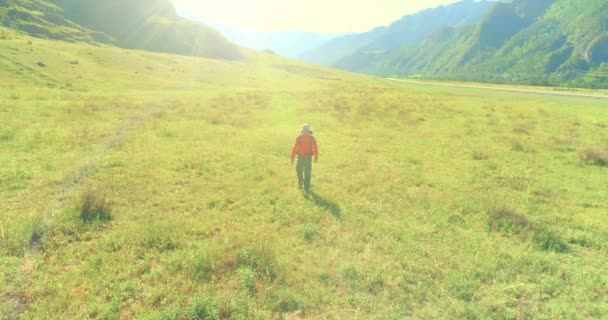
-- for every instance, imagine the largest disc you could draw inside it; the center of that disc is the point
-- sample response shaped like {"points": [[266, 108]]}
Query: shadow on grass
{"points": [[324, 203]]}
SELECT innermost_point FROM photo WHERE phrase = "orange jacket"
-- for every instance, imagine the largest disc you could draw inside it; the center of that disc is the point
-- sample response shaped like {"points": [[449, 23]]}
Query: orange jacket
{"points": [[305, 145]]}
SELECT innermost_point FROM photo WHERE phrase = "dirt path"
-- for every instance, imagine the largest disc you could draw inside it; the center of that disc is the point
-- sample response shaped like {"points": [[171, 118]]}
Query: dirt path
{"points": [[14, 302], [525, 91]]}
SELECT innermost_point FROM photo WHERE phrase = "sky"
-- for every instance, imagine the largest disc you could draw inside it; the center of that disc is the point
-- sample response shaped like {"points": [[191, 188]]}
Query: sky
{"points": [[321, 16]]}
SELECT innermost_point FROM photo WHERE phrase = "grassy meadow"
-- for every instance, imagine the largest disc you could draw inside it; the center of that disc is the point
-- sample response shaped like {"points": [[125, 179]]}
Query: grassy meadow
{"points": [[136, 185]]}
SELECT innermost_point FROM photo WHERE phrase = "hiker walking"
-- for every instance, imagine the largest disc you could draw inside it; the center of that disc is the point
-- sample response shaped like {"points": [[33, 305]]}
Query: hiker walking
{"points": [[305, 147]]}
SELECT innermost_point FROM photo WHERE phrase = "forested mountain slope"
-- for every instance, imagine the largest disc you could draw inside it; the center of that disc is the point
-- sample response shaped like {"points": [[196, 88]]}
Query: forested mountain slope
{"points": [[408, 30], [133, 24], [550, 42]]}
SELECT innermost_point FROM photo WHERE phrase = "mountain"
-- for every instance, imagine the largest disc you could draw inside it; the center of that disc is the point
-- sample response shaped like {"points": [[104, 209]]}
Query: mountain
{"points": [[151, 25], [286, 43], [544, 42], [332, 51], [409, 29]]}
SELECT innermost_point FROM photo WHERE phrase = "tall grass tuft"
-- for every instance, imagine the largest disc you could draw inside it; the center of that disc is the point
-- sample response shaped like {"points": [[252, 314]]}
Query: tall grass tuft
{"points": [[202, 265], [94, 207], [203, 308], [260, 258]]}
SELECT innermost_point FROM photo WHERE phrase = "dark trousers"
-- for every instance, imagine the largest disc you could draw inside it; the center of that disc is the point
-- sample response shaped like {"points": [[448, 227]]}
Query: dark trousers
{"points": [[304, 170]]}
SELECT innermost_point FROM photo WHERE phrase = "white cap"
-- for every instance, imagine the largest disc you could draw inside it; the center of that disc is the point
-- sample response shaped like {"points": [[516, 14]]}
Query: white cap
{"points": [[305, 127]]}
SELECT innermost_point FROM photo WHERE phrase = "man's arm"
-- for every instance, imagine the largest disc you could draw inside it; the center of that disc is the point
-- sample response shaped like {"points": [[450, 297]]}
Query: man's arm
{"points": [[315, 149], [294, 151]]}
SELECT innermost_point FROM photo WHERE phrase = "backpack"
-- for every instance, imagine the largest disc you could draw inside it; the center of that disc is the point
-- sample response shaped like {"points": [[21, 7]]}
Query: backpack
{"points": [[309, 144]]}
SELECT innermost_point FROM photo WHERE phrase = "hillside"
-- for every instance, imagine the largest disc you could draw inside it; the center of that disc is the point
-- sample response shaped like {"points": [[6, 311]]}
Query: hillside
{"points": [[134, 24], [550, 42], [408, 30], [46, 20], [138, 185]]}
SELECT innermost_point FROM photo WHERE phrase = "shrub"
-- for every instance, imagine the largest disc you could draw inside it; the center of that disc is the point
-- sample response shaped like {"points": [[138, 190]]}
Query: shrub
{"points": [[94, 206], [594, 156]]}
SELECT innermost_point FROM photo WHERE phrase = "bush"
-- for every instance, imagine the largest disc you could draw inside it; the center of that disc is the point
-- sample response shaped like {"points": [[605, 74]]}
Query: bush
{"points": [[94, 207], [594, 156]]}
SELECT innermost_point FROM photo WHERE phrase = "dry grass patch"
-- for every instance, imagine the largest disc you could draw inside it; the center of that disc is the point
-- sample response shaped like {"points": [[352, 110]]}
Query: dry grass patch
{"points": [[594, 156]]}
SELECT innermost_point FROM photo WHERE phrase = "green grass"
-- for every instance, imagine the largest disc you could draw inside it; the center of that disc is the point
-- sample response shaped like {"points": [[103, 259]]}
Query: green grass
{"points": [[429, 202]]}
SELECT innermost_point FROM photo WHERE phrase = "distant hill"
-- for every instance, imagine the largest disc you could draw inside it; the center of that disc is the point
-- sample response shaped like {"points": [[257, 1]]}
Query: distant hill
{"points": [[149, 25], [334, 50], [409, 29], [286, 43], [543, 42]]}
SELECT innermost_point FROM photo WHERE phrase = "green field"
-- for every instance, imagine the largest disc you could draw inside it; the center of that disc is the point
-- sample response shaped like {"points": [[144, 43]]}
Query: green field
{"points": [[136, 185]]}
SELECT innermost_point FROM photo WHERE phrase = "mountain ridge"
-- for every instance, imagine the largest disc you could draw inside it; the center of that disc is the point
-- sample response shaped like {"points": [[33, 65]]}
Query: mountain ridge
{"points": [[407, 30], [548, 42]]}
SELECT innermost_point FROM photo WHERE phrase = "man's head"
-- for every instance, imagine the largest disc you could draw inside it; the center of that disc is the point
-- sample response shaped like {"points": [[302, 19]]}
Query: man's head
{"points": [[306, 128]]}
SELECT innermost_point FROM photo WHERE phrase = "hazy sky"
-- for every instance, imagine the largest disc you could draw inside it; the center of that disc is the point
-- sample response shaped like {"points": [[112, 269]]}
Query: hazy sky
{"points": [[323, 16]]}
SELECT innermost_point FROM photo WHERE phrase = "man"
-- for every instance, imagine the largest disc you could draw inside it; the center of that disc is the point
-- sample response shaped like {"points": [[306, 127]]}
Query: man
{"points": [[305, 147]]}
